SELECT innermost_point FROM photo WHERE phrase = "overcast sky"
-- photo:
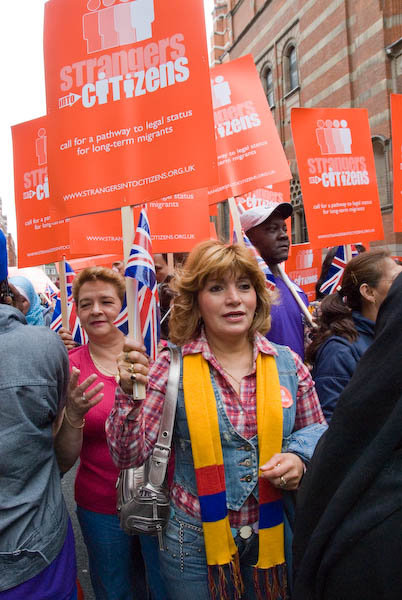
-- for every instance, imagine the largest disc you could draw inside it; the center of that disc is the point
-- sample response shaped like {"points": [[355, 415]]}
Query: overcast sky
{"points": [[22, 82]]}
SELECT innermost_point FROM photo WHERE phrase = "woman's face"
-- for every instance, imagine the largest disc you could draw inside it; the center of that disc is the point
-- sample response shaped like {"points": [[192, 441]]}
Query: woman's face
{"points": [[98, 307], [25, 305], [389, 272], [227, 306]]}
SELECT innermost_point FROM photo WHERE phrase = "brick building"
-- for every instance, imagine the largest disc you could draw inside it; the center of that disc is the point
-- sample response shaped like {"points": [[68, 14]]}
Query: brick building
{"points": [[318, 53]]}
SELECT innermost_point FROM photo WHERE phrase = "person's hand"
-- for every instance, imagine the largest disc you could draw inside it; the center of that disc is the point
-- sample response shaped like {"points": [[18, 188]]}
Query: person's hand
{"points": [[284, 470], [67, 338], [79, 400], [133, 365]]}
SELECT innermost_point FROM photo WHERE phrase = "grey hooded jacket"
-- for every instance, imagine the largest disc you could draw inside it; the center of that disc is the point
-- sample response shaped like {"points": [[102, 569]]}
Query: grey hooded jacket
{"points": [[33, 381]]}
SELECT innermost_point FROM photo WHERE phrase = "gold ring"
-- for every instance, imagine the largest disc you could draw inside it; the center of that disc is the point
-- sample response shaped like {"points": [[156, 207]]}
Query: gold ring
{"points": [[126, 358], [283, 482], [130, 369]]}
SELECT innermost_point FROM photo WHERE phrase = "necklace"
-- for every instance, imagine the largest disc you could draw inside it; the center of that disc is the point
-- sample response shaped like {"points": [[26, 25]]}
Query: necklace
{"points": [[232, 376], [101, 368]]}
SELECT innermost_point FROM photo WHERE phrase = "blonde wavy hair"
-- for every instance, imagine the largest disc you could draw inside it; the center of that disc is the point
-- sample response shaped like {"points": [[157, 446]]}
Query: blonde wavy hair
{"points": [[214, 259], [99, 274]]}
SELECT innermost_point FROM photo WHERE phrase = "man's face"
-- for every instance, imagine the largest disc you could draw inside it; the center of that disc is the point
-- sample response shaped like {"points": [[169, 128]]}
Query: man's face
{"points": [[271, 239], [161, 268]]}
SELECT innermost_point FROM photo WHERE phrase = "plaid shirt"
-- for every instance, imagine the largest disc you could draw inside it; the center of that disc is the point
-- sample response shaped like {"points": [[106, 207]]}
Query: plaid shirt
{"points": [[132, 427]]}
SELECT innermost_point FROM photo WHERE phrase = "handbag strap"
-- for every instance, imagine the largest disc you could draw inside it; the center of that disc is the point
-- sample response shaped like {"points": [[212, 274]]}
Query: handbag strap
{"points": [[160, 456]]}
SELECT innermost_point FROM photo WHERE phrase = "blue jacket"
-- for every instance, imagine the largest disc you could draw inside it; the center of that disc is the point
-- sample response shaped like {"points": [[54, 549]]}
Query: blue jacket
{"points": [[336, 361]]}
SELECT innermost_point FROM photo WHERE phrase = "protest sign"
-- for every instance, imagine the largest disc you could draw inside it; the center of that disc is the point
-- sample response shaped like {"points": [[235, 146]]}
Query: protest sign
{"points": [[41, 238], [103, 260], [127, 86], [250, 153], [304, 267], [270, 195], [99, 233], [396, 112], [179, 222], [337, 175]]}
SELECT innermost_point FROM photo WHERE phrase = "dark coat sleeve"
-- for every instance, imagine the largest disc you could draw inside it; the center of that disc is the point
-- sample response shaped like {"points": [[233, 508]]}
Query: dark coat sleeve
{"points": [[335, 364]]}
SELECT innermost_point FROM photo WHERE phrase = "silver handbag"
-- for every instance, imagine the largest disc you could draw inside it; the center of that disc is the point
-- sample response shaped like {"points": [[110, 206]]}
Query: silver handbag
{"points": [[143, 503]]}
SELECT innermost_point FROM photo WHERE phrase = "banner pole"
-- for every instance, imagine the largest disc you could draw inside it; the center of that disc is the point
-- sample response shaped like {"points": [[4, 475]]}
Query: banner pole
{"points": [[348, 253], [170, 263], [134, 329], [296, 296], [236, 221], [63, 293]]}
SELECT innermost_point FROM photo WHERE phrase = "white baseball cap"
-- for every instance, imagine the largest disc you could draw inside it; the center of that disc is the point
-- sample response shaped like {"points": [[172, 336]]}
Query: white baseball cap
{"points": [[255, 216]]}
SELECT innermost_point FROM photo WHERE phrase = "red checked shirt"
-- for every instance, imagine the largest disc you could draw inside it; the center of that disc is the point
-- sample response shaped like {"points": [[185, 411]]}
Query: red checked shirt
{"points": [[132, 427]]}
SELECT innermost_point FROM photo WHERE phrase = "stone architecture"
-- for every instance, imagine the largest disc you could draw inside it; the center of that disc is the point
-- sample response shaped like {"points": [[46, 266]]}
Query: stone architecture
{"points": [[312, 53]]}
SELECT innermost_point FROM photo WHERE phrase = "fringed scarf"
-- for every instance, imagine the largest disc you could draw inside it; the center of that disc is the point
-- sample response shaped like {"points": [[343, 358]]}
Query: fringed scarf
{"points": [[221, 551]]}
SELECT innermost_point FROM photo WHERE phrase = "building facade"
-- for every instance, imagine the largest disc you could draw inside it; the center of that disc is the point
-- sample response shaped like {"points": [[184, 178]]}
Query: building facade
{"points": [[321, 53]]}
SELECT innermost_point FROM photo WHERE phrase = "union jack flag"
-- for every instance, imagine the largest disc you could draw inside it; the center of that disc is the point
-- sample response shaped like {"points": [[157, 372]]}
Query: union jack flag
{"points": [[122, 319], [70, 274], [335, 272], [140, 266], [51, 293], [270, 278], [75, 328]]}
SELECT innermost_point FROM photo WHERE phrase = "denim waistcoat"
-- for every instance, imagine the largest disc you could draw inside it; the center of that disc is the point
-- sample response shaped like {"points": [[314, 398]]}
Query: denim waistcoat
{"points": [[240, 454], [33, 515]]}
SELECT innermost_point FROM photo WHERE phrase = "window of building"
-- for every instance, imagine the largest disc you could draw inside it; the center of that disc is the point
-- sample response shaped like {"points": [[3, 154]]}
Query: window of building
{"points": [[382, 171], [291, 72], [269, 81]]}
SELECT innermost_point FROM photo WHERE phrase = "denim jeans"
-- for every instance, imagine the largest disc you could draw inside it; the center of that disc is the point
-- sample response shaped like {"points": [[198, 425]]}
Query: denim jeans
{"points": [[115, 561], [184, 564]]}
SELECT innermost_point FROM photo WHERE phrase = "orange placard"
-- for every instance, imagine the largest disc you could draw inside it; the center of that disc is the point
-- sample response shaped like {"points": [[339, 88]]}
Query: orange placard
{"points": [[271, 195], [96, 234], [179, 222], [127, 85], [396, 112], [250, 153], [304, 268], [102, 260], [41, 238], [337, 175]]}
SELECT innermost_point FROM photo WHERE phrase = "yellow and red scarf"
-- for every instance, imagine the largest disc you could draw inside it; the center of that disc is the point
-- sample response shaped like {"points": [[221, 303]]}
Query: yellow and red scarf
{"points": [[202, 418]]}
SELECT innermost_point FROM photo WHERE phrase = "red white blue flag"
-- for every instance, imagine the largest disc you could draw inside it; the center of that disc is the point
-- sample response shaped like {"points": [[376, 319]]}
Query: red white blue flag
{"points": [[140, 266], [74, 324], [334, 276]]}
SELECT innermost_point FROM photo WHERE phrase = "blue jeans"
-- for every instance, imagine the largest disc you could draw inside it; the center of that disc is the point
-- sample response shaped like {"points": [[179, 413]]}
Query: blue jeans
{"points": [[184, 564], [115, 561]]}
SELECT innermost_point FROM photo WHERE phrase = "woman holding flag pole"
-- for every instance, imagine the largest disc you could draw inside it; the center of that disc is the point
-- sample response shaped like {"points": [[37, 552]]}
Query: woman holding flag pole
{"points": [[115, 562], [247, 423]]}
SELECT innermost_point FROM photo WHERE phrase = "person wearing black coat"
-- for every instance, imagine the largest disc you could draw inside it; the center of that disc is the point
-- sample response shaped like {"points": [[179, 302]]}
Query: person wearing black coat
{"points": [[348, 528]]}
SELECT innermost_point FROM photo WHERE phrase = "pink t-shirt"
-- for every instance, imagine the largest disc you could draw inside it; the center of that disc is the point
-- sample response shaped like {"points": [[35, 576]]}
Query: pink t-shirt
{"points": [[95, 484]]}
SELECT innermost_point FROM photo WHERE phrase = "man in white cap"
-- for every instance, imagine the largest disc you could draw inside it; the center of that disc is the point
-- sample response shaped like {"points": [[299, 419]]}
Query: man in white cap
{"points": [[267, 231]]}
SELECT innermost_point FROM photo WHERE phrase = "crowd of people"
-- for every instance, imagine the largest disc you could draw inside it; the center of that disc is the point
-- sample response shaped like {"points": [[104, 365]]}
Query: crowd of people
{"points": [[283, 474]]}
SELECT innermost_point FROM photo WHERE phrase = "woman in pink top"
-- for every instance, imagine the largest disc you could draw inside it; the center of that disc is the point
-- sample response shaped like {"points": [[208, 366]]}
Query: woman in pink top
{"points": [[98, 294]]}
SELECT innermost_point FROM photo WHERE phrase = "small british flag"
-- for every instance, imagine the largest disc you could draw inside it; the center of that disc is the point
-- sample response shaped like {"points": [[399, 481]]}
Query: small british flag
{"points": [[334, 276], [74, 324], [70, 274], [140, 266]]}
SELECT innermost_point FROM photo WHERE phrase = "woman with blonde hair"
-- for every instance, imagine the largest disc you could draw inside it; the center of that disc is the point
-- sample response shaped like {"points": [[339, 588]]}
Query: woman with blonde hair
{"points": [[247, 422]]}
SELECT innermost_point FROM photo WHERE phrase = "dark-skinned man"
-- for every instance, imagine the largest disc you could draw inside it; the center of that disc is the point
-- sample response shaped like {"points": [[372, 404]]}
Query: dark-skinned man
{"points": [[267, 231]]}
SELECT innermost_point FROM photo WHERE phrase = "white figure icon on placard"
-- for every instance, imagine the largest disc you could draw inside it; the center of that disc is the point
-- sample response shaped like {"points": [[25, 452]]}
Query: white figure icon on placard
{"points": [[304, 259], [109, 25], [334, 137], [41, 147], [221, 92]]}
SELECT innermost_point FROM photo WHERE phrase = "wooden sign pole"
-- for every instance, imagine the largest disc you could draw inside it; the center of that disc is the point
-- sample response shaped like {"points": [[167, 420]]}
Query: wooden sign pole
{"points": [[134, 328], [63, 293]]}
